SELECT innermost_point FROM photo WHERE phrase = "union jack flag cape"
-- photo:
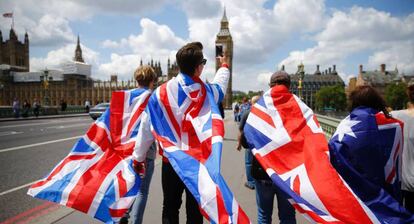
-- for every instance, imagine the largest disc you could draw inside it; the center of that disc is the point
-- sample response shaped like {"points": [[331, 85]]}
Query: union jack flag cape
{"points": [[187, 123], [289, 143], [97, 176], [366, 150]]}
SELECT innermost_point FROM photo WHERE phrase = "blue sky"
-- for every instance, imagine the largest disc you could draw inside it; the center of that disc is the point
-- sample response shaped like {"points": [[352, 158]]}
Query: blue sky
{"points": [[266, 34]]}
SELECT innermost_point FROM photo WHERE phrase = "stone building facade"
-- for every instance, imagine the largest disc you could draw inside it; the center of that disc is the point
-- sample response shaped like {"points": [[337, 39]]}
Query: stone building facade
{"points": [[305, 85], [73, 85], [14, 54]]}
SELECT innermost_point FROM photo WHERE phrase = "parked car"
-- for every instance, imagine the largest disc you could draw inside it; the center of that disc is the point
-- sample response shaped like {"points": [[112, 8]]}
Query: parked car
{"points": [[98, 110]]}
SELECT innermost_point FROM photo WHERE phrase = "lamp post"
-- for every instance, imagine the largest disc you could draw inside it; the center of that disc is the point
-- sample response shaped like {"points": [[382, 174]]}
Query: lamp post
{"points": [[45, 84]]}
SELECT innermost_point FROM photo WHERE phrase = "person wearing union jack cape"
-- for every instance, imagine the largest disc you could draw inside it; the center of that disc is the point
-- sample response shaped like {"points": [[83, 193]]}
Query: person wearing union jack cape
{"points": [[186, 122], [99, 176], [289, 144], [366, 150]]}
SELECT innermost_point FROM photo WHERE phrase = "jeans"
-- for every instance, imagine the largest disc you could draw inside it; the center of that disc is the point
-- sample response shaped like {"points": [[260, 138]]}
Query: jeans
{"points": [[248, 159], [173, 188], [137, 211], [265, 192]]}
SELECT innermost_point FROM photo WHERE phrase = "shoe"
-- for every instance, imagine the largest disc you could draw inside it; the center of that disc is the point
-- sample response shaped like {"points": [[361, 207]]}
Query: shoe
{"points": [[124, 220], [248, 185]]}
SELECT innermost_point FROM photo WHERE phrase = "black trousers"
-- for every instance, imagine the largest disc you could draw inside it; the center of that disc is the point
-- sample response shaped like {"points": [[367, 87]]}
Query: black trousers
{"points": [[173, 189], [408, 198]]}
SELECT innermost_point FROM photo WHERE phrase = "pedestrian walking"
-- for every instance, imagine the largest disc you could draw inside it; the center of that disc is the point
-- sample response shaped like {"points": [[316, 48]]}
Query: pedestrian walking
{"points": [[242, 142], [16, 108], [36, 108]]}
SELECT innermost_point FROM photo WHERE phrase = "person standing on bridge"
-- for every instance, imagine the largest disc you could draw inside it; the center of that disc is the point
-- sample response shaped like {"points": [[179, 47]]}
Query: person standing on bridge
{"points": [[407, 116], [186, 121], [366, 151], [266, 190], [145, 77], [241, 141]]}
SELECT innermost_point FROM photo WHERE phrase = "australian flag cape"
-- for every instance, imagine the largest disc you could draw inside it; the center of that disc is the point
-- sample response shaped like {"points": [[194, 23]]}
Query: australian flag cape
{"points": [[366, 150], [97, 176], [187, 123], [288, 142]]}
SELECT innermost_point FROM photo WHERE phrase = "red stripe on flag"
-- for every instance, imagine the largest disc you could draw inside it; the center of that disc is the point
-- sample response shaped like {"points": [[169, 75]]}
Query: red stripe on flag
{"points": [[296, 185], [121, 184], [99, 136], [242, 217], [265, 117], [325, 180], [223, 216], [116, 116], [218, 127], [117, 212], [82, 195], [136, 115], [313, 215], [61, 166]]}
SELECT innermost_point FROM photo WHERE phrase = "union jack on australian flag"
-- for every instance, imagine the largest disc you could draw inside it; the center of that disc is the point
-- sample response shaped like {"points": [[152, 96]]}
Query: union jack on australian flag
{"points": [[187, 123], [97, 176], [366, 150], [289, 143]]}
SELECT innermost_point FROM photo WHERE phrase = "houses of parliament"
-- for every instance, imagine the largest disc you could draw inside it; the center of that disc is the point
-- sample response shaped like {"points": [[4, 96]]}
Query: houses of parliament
{"points": [[73, 83]]}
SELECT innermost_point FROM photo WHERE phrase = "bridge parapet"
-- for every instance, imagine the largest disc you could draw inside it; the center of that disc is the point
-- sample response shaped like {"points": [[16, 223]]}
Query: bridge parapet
{"points": [[328, 124]]}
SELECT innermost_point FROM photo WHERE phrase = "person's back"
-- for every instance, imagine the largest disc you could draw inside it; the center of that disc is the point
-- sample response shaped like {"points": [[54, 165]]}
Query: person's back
{"points": [[407, 175]]}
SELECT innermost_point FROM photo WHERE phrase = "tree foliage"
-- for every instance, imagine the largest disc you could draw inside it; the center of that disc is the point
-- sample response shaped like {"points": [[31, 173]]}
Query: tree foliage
{"points": [[331, 97], [396, 96], [240, 95]]}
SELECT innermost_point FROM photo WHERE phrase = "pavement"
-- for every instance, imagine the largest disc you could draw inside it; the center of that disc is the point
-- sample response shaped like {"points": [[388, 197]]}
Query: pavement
{"points": [[232, 169]]}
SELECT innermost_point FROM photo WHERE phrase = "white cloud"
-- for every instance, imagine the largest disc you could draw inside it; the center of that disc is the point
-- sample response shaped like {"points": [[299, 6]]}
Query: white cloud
{"points": [[360, 30], [55, 58], [257, 32]]}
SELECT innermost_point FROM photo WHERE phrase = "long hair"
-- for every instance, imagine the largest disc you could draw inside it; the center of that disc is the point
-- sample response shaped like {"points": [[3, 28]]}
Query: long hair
{"points": [[369, 97]]}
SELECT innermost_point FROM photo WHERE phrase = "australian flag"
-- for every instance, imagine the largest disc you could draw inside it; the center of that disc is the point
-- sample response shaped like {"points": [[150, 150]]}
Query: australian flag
{"points": [[289, 143], [366, 150], [97, 176], [187, 123]]}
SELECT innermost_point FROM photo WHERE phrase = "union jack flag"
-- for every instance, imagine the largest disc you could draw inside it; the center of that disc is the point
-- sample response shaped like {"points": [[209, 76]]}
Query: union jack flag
{"points": [[187, 123], [97, 177], [289, 143], [366, 150]]}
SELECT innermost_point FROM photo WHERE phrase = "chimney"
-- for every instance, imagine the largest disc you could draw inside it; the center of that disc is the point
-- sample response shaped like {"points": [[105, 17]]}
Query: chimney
{"points": [[383, 68], [317, 72], [326, 71], [334, 68], [361, 69], [330, 70], [283, 68]]}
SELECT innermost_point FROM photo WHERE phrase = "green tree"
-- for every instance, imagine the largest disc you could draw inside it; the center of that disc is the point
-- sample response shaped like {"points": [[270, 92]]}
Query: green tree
{"points": [[396, 96], [332, 97]]}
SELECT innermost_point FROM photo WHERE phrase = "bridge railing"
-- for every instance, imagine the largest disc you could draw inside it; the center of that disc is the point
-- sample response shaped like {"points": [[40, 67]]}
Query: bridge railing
{"points": [[328, 124], [7, 111]]}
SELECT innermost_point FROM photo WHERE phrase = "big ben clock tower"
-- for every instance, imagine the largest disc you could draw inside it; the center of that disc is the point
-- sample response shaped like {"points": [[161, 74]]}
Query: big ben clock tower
{"points": [[225, 42]]}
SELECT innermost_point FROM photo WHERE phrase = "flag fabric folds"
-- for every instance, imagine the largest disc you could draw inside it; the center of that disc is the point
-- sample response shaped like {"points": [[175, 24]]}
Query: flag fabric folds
{"points": [[366, 150], [289, 143], [97, 177], [187, 123]]}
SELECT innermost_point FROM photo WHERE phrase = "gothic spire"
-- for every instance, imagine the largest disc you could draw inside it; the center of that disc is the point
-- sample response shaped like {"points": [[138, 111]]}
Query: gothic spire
{"points": [[78, 53]]}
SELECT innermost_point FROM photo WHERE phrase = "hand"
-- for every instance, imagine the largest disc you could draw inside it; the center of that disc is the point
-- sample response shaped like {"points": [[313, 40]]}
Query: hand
{"points": [[140, 168], [223, 59], [238, 147]]}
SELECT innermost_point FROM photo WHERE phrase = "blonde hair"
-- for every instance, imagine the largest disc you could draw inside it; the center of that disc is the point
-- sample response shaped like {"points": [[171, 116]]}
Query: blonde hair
{"points": [[144, 75]]}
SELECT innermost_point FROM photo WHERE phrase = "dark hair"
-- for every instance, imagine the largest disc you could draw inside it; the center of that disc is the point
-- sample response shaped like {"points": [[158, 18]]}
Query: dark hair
{"points": [[369, 97], [189, 57], [280, 78], [410, 92]]}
